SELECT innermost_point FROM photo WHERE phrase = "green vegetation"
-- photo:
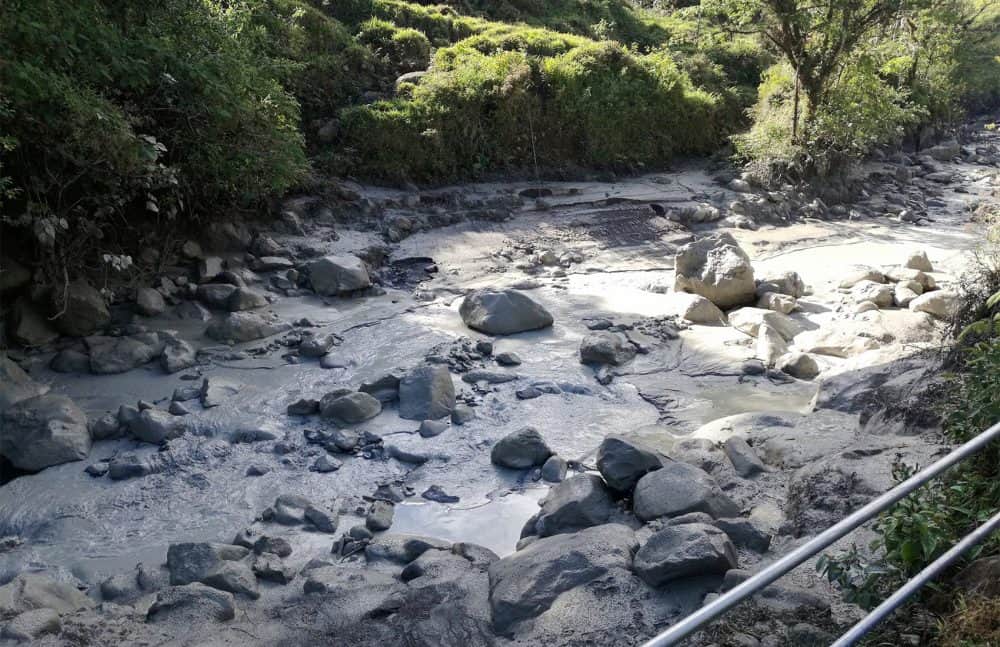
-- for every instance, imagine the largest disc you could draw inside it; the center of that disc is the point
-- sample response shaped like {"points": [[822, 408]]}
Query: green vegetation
{"points": [[143, 116]]}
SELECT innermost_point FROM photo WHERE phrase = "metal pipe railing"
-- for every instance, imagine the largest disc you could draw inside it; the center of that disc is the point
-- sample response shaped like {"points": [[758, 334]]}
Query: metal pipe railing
{"points": [[858, 631], [768, 575]]}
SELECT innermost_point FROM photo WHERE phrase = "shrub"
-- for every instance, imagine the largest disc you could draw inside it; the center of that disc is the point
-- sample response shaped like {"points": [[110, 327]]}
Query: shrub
{"points": [[402, 49], [595, 105], [136, 115]]}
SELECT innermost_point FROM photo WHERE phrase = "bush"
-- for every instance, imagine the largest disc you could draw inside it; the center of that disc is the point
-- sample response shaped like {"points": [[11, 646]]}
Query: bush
{"points": [[402, 49], [132, 114], [595, 105]]}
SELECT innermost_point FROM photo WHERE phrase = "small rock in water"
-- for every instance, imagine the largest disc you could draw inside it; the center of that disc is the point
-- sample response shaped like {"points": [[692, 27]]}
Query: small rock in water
{"points": [[462, 414], [326, 464], [257, 470], [437, 494], [606, 348], [380, 516], [352, 408], [485, 347], [431, 428], [520, 450], [97, 470], [178, 409], [528, 393], [322, 519], [426, 393], [270, 568], [508, 359], [317, 346]]}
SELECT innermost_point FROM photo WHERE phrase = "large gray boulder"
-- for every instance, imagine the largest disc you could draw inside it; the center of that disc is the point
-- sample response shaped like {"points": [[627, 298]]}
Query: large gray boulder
{"points": [[15, 384], [524, 585], [606, 348], [503, 312], [683, 551], [622, 462], [190, 604], [83, 309], [352, 408], [28, 326], [157, 426], [177, 355], [30, 591], [149, 302], [337, 275], [578, 502], [245, 326], [111, 355], [426, 393], [195, 562], [678, 488], [716, 268], [520, 450], [43, 431]]}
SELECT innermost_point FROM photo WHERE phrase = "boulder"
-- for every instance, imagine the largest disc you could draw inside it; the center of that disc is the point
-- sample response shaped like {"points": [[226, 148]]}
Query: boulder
{"points": [[622, 462], [696, 309], [245, 326], [684, 551], [749, 321], [862, 274], [503, 312], [352, 408], [426, 393], [903, 294], [71, 360], [716, 268], [745, 461], [317, 345], [209, 267], [15, 384], [778, 302], [402, 549], [520, 450], [338, 275], [745, 533], [32, 625], [787, 283], [195, 561], [157, 426], [940, 304], [799, 365], [878, 293], [554, 469], [385, 389], [29, 591], [28, 326], [270, 568], [508, 358], [578, 502], [235, 577], [380, 516], [216, 295], [190, 604], [177, 355], [245, 299], [945, 151], [112, 355], [770, 345], [604, 347], [42, 431], [13, 275], [149, 302], [525, 584], [678, 488], [917, 260], [84, 311], [289, 510]]}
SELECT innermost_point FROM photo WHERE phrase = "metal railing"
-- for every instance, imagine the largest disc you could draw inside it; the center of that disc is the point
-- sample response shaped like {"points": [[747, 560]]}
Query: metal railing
{"points": [[779, 568]]}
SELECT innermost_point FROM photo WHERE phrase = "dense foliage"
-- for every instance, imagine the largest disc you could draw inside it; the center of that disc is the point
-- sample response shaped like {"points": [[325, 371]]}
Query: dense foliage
{"points": [[119, 118]]}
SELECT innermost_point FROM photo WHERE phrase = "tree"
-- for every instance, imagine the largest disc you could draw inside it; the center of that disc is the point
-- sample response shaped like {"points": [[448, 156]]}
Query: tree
{"points": [[816, 37]]}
